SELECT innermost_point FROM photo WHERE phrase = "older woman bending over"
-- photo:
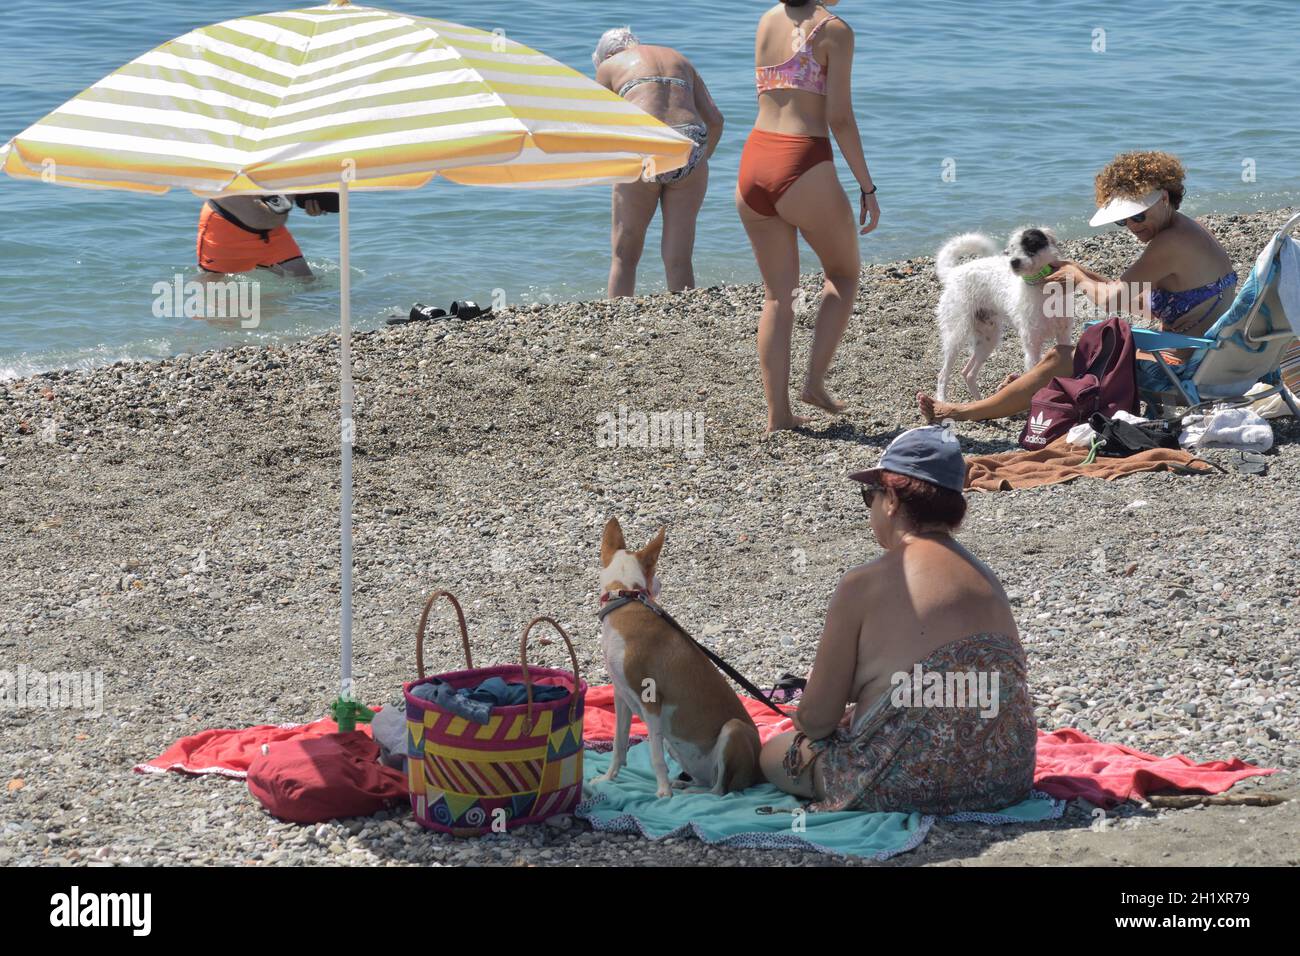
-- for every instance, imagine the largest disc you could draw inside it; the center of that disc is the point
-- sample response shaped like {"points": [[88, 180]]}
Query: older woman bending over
{"points": [[663, 83]]}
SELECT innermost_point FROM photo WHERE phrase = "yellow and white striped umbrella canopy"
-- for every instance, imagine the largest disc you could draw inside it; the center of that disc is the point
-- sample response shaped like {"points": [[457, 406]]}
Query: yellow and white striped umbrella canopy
{"points": [[292, 101]]}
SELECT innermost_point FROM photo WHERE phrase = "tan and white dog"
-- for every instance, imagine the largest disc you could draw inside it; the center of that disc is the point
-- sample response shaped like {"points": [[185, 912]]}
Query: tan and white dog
{"points": [[664, 679]]}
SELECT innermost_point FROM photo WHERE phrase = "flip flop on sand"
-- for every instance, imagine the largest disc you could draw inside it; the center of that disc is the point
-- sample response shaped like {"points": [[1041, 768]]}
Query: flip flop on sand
{"points": [[419, 313], [788, 689], [1250, 463], [469, 310]]}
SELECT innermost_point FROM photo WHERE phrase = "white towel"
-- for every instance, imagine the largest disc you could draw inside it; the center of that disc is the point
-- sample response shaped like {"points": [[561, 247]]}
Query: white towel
{"points": [[1237, 428]]}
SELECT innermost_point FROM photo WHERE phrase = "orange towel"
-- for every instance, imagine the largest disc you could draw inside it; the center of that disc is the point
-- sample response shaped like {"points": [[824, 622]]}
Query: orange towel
{"points": [[1060, 461]]}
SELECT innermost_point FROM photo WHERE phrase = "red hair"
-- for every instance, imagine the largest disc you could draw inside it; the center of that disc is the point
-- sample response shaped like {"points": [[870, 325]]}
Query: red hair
{"points": [[924, 503]]}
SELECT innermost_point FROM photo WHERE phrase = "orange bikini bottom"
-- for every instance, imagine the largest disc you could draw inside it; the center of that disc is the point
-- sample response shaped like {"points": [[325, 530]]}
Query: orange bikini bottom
{"points": [[772, 162]]}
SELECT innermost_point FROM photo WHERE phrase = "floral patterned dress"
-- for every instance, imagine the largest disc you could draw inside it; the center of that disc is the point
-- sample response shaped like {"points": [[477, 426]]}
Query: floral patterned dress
{"points": [[911, 752]]}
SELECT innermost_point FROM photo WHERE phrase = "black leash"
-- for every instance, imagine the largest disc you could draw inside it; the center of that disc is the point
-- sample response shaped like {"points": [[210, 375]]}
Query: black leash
{"points": [[627, 597]]}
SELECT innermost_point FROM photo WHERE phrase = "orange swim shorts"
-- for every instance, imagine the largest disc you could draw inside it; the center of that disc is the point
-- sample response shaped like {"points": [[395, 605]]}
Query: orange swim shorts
{"points": [[224, 246]]}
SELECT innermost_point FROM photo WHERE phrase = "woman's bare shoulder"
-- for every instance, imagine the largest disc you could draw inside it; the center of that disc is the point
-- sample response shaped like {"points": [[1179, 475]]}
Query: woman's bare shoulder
{"points": [[767, 19], [1168, 248], [1178, 250], [837, 26], [878, 574], [1202, 232]]}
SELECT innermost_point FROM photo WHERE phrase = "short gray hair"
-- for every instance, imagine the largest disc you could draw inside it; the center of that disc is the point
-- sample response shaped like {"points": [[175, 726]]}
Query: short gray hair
{"points": [[614, 41]]}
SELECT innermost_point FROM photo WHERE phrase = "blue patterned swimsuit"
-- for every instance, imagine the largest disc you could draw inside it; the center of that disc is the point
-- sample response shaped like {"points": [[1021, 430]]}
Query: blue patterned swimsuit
{"points": [[1169, 307]]}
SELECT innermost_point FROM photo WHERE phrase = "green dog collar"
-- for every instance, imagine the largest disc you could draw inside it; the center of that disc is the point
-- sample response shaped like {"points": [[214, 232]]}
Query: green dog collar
{"points": [[1040, 275]]}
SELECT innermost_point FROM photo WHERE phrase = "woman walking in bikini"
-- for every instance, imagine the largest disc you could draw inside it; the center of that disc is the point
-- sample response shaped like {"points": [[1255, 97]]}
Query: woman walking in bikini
{"points": [[788, 187]]}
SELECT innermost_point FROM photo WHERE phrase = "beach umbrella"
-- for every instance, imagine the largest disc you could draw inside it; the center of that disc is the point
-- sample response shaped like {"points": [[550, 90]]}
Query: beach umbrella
{"points": [[336, 98]]}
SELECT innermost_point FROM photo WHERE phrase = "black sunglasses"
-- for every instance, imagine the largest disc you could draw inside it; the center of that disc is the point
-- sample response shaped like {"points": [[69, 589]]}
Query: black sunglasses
{"points": [[869, 494], [1139, 219]]}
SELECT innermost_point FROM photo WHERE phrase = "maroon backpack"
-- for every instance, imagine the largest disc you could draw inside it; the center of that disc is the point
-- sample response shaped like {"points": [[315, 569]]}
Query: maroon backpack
{"points": [[1105, 380]]}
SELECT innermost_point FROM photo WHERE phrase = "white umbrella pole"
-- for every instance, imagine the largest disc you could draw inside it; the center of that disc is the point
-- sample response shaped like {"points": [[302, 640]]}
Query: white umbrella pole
{"points": [[348, 432], [346, 710]]}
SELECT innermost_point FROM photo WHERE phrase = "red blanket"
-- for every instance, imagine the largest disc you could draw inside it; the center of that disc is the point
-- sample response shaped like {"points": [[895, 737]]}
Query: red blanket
{"points": [[1070, 764], [229, 752]]}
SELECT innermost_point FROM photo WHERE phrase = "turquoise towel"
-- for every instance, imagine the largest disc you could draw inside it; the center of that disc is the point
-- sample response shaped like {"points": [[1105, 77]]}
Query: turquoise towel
{"points": [[629, 805]]}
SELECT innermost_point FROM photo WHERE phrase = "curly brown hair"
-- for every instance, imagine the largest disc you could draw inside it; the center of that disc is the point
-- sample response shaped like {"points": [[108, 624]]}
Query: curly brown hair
{"points": [[1133, 175]]}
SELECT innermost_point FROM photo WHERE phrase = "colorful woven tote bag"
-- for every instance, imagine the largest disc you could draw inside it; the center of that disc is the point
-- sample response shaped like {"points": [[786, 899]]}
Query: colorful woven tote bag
{"points": [[522, 765]]}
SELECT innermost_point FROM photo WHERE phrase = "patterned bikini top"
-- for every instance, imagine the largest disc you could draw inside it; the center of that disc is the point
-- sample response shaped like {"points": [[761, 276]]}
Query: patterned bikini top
{"points": [[800, 72], [1168, 307]]}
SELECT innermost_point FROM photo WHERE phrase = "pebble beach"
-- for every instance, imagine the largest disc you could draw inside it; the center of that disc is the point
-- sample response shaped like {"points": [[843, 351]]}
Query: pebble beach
{"points": [[174, 527]]}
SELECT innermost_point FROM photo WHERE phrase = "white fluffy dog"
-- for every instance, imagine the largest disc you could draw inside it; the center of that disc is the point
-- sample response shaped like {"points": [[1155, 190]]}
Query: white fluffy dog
{"points": [[980, 296]]}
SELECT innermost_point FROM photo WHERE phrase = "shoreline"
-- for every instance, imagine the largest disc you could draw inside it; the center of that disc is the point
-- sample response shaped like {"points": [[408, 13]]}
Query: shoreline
{"points": [[173, 526], [648, 266]]}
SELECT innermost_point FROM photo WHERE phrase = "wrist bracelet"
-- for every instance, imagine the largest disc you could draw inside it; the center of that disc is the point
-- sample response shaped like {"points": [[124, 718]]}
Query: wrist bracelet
{"points": [[874, 187]]}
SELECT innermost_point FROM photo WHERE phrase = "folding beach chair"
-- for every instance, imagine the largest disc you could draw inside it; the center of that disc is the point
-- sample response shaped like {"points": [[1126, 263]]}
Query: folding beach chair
{"points": [[1246, 346]]}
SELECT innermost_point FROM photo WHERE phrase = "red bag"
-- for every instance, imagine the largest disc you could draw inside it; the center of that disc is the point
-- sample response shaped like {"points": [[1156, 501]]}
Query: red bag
{"points": [[314, 779], [1105, 380]]}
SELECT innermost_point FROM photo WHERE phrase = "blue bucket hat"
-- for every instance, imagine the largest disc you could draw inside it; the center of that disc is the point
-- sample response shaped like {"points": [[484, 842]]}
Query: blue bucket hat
{"points": [[931, 453]]}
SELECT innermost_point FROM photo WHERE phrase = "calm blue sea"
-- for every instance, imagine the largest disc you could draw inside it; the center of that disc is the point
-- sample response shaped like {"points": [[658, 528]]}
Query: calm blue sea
{"points": [[1014, 94]]}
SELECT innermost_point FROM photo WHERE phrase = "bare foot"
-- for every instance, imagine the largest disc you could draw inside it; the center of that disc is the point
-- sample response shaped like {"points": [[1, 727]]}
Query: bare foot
{"points": [[933, 410], [822, 399], [787, 424]]}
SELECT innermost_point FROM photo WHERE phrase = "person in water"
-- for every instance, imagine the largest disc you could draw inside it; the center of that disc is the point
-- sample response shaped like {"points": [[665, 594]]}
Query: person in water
{"points": [[663, 83], [243, 233], [922, 647], [788, 187], [1184, 278]]}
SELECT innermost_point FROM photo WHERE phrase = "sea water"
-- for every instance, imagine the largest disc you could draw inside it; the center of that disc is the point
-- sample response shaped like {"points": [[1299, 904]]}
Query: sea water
{"points": [[974, 115]]}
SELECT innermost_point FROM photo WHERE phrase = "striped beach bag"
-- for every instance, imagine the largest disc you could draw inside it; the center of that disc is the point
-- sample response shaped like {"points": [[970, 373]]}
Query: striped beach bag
{"points": [[521, 766]]}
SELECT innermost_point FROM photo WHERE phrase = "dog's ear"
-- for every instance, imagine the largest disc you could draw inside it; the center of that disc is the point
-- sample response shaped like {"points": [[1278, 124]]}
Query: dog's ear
{"points": [[611, 542], [648, 556]]}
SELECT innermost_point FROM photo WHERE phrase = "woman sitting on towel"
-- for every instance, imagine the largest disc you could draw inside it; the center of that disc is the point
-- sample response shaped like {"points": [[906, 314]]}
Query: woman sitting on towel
{"points": [[1183, 277], [922, 647]]}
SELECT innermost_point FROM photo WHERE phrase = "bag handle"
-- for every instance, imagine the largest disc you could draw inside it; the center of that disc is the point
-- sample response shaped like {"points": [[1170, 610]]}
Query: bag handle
{"points": [[424, 620], [1109, 342], [528, 680]]}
